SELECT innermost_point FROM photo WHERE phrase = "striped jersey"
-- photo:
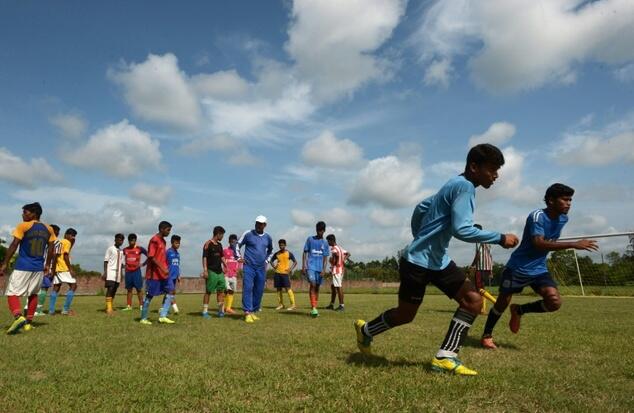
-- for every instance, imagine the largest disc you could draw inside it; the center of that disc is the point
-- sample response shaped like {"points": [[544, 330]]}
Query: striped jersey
{"points": [[484, 259], [337, 267]]}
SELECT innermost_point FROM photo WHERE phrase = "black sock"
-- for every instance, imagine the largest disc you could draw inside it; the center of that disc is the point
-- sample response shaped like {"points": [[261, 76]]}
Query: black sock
{"points": [[378, 325], [492, 320], [458, 330], [534, 307]]}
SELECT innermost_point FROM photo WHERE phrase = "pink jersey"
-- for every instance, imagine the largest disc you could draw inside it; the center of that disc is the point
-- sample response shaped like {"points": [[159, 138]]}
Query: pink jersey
{"points": [[232, 264], [337, 268]]}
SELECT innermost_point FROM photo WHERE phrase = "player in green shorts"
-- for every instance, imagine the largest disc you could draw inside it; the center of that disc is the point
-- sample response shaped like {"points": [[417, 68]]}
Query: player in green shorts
{"points": [[213, 271]]}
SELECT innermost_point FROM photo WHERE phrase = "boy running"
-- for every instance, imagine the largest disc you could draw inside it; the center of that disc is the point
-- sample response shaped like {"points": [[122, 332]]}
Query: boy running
{"points": [[338, 257], [435, 221], [133, 274], [527, 265], [174, 261], [281, 263], [316, 252], [47, 280], [64, 273], [113, 269], [33, 238], [156, 275], [213, 264], [231, 275]]}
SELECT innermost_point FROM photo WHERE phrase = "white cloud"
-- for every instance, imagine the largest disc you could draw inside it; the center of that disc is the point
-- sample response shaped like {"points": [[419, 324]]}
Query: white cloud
{"points": [[302, 218], [447, 169], [511, 184], [224, 84], [389, 182], [70, 126], [339, 217], [625, 74], [328, 151], [515, 45], [438, 73], [29, 174], [595, 150], [497, 134], [220, 142], [243, 157], [119, 150], [151, 194], [158, 91], [332, 42], [385, 218]]}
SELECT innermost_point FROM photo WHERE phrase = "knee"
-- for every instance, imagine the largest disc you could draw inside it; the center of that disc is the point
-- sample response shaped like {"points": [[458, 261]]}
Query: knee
{"points": [[399, 316], [472, 302], [552, 302]]}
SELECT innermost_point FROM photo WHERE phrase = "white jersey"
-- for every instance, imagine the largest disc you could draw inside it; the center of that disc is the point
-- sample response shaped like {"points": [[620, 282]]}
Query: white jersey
{"points": [[116, 264]]}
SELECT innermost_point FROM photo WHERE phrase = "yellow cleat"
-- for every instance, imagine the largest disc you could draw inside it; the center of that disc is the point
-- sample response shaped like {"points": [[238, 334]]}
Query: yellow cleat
{"points": [[255, 317], [363, 342], [17, 324], [249, 319], [451, 365], [28, 327], [165, 320], [145, 322]]}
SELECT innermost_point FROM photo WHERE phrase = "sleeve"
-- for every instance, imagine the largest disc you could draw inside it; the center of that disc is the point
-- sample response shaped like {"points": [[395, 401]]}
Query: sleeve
{"points": [[306, 246], [462, 221], [536, 223], [143, 251], [58, 248], [152, 248], [20, 229], [108, 254], [419, 212], [269, 247], [239, 244], [273, 257], [291, 257], [65, 246], [326, 248]]}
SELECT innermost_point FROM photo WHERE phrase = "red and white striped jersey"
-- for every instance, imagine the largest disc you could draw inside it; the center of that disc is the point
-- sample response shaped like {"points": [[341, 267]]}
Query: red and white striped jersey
{"points": [[337, 268], [484, 259]]}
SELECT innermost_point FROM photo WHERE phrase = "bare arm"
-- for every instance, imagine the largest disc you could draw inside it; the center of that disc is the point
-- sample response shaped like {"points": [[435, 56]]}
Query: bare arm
{"points": [[583, 244], [304, 258], [67, 261], [9, 255], [105, 270]]}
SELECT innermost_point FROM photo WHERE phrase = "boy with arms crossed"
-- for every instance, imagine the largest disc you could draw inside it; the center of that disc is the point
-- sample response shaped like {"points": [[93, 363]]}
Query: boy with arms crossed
{"points": [[113, 269], [133, 274], [435, 221], [281, 263]]}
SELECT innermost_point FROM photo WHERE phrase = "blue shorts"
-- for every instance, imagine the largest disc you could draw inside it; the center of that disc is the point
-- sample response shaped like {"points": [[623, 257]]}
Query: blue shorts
{"points": [[513, 282], [314, 277], [156, 287], [47, 282], [134, 279], [281, 281], [171, 284]]}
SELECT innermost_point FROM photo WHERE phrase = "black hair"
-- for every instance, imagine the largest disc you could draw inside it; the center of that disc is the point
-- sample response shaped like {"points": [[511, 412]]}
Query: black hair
{"points": [[321, 226], [282, 241], [219, 230], [558, 190], [175, 238], [478, 226], [119, 236], [331, 237], [131, 237], [55, 229], [232, 237], [34, 208], [71, 231], [164, 224], [485, 153]]}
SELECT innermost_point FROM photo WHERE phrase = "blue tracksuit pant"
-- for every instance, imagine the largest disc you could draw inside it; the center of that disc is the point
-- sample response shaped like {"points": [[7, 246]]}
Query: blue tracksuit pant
{"points": [[253, 281]]}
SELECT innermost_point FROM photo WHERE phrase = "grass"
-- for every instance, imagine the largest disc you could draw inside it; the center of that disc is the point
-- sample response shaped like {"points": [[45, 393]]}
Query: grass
{"points": [[578, 359]]}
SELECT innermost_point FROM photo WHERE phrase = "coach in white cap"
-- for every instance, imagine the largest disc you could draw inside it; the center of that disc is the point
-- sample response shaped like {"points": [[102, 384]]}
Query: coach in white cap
{"points": [[258, 246]]}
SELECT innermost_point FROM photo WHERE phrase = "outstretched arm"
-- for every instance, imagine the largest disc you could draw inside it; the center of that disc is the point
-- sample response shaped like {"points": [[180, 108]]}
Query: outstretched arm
{"points": [[545, 245]]}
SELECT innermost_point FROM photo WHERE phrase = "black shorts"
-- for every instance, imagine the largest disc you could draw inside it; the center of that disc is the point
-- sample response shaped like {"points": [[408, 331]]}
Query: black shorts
{"points": [[111, 288], [414, 280]]}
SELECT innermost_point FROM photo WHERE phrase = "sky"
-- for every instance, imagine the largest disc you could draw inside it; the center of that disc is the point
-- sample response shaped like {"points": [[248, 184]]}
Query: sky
{"points": [[117, 115]]}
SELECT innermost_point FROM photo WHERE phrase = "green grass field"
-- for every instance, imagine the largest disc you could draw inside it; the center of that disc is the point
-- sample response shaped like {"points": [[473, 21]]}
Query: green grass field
{"points": [[579, 359]]}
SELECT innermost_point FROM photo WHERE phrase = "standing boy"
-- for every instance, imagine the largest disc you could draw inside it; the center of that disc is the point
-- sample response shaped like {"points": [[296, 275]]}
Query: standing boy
{"points": [[231, 272], [527, 265], [113, 269], [33, 238], [133, 274], [338, 257], [281, 263], [435, 221], [316, 252], [47, 280], [64, 273], [213, 265], [156, 275], [482, 267], [174, 261]]}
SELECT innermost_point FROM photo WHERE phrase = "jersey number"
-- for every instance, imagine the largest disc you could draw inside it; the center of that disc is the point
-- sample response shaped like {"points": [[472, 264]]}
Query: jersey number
{"points": [[37, 247]]}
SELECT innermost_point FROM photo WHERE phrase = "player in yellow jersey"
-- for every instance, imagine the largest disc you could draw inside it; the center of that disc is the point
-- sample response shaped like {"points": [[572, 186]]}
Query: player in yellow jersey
{"points": [[281, 263]]}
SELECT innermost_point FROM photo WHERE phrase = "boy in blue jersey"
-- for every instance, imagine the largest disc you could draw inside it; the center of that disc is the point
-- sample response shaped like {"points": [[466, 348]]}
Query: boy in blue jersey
{"points": [[34, 239], [314, 259], [174, 263], [447, 214], [527, 265]]}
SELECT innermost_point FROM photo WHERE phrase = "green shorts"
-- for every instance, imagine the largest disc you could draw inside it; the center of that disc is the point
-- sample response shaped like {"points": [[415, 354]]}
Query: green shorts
{"points": [[215, 282]]}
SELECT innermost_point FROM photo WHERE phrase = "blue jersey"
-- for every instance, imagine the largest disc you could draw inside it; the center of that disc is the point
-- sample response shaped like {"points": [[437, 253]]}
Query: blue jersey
{"points": [[448, 213], [257, 248], [174, 263], [317, 249], [34, 238], [527, 259]]}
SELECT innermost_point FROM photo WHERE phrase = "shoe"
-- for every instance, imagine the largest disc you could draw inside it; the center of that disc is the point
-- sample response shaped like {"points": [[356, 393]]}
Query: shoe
{"points": [[39, 314], [451, 365], [229, 311], [145, 322], [514, 322], [291, 308], [249, 318], [17, 324], [340, 308], [206, 316], [165, 320], [280, 307], [314, 313], [221, 314], [363, 342], [28, 327], [128, 308], [487, 342], [329, 307], [255, 317], [69, 313]]}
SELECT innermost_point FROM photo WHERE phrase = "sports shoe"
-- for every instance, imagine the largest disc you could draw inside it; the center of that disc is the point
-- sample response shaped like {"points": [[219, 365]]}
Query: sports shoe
{"points": [[451, 365], [17, 324], [249, 318], [514, 322], [255, 317], [221, 314], [487, 342], [145, 322], [28, 327], [68, 313], [330, 307], [229, 311], [128, 308], [363, 342], [314, 313], [292, 308], [340, 308], [39, 313], [165, 320], [280, 307], [206, 316]]}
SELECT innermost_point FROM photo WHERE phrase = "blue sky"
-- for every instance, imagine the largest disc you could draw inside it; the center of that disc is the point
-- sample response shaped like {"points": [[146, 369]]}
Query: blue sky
{"points": [[117, 115]]}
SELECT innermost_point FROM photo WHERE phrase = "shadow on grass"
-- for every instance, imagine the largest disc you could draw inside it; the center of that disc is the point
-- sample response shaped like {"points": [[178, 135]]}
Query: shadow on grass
{"points": [[360, 359], [475, 343], [294, 312]]}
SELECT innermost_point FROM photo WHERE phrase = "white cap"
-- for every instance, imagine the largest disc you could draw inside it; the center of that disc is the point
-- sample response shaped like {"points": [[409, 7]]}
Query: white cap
{"points": [[260, 219]]}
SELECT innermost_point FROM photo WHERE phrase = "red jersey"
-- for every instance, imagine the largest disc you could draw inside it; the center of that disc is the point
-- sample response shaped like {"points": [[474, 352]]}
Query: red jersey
{"points": [[337, 267], [133, 257], [156, 249]]}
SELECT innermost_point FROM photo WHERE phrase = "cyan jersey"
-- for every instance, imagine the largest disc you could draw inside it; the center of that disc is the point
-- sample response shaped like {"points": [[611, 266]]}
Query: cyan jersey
{"points": [[317, 249], [174, 262], [448, 213], [526, 259]]}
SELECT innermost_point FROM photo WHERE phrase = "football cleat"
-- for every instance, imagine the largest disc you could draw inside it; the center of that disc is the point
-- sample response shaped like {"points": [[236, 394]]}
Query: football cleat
{"points": [[165, 320], [145, 322], [17, 324], [363, 342], [451, 365], [487, 342]]}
